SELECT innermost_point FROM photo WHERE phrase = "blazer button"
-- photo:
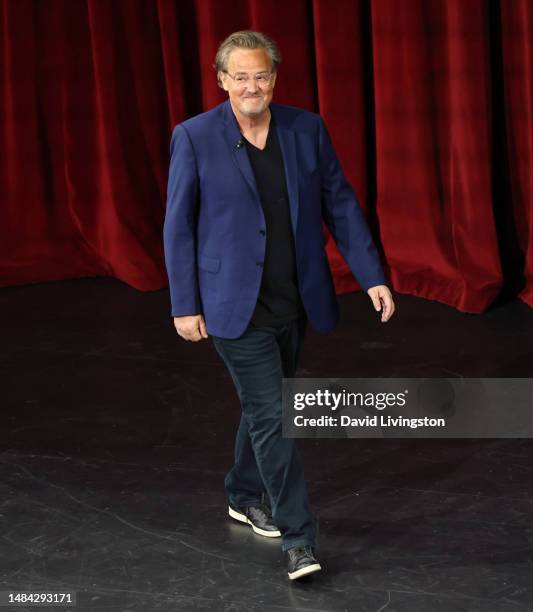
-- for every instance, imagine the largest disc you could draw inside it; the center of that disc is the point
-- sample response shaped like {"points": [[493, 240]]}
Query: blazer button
{"points": [[259, 263], [262, 232]]}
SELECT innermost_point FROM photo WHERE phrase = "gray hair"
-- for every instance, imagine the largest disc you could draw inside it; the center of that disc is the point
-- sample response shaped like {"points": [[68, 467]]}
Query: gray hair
{"points": [[246, 39]]}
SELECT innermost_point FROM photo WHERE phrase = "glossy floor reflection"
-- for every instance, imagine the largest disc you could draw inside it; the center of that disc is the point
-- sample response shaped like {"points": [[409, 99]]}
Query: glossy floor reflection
{"points": [[116, 437]]}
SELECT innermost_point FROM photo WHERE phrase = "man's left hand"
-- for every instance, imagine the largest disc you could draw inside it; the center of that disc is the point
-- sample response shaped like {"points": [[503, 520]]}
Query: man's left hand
{"points": [[381, 296]]}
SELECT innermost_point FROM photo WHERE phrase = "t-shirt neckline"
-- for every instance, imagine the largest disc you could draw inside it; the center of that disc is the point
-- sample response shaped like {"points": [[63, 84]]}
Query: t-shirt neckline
{"points": [[267, 141]]}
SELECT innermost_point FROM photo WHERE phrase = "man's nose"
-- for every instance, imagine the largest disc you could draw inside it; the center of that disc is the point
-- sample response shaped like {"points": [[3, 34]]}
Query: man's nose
{"points": [[252, 85]]}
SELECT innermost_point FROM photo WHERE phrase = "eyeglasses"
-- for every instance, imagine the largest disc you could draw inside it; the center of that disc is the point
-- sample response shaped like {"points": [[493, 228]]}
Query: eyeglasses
{"points": [[263, 78]]}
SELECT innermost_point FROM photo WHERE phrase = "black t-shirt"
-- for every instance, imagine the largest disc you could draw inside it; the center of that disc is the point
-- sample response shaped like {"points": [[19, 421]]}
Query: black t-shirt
{"points": [[279, 300]]}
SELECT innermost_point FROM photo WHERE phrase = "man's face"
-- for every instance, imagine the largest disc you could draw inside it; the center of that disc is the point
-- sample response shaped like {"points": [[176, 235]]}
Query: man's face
{"points": [[250, 99]]}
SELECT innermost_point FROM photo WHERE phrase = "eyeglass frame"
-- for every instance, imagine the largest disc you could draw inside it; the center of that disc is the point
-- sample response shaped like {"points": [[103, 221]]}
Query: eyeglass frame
{"points": [[248, 78]]}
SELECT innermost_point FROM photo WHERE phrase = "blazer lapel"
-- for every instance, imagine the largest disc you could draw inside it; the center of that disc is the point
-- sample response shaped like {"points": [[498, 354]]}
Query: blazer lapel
{"points": [[232, 134], [288, 149]]}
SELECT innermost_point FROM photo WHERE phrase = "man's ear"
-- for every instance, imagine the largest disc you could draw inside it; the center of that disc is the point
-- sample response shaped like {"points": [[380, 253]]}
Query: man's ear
{"points": [[221, 83]]}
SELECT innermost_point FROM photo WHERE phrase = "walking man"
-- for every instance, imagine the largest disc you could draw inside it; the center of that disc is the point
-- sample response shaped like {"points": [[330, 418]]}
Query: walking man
{"points": [[249, 184]]}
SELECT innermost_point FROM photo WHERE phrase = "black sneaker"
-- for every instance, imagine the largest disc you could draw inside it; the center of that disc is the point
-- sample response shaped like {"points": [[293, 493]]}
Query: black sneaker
{"points": [[259, 517], [302, 561]]}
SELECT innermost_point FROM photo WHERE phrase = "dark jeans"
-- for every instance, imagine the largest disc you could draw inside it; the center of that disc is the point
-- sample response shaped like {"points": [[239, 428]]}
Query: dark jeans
{"points": [[264, 460]]}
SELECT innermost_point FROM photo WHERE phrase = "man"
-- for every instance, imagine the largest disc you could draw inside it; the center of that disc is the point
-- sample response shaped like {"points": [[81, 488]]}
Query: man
{"points": [[249, 184]]}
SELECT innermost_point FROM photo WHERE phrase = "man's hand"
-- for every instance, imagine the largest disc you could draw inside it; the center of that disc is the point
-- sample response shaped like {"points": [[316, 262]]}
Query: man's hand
{"points": [[191, 328], [379, 295]]}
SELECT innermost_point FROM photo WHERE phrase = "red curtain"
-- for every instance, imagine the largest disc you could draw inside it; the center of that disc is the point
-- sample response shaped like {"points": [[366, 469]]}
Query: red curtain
{"points": [[429, 104]]}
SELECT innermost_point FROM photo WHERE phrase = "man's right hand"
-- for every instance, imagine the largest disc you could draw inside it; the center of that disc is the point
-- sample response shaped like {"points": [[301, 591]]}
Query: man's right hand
{"points": [[191, 328]]}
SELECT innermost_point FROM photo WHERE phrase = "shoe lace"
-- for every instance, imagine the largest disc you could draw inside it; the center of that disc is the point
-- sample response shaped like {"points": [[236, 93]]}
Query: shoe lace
{"points": [[307, 549], [263, 510]]}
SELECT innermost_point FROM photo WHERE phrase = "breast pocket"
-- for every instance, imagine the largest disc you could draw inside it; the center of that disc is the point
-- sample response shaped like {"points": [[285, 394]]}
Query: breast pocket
{"points": [[309, 180]]}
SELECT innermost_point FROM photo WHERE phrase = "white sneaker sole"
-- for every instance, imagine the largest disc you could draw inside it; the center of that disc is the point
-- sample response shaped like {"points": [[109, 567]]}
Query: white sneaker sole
{"points": [[308, 569], [243, 519]]}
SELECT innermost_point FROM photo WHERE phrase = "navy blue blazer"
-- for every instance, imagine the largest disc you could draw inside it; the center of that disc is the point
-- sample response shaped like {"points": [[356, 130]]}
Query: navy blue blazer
{"points": [[214, 229]]}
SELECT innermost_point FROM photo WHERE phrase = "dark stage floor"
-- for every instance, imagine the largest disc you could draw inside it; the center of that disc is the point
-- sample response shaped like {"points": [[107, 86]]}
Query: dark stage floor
{"points": [[117, 434]]}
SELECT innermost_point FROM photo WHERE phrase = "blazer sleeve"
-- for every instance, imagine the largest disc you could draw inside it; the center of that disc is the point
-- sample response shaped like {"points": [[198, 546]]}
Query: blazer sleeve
{"points": [[179, 228], [344, 217]]}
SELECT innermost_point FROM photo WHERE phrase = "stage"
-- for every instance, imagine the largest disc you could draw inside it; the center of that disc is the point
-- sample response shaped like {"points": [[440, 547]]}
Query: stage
{"points": [[117, 435]]}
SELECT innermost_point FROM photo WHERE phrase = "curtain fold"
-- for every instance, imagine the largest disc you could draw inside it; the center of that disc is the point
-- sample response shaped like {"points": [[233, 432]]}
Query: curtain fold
{"points": [[517, 45], [428, 102]]}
